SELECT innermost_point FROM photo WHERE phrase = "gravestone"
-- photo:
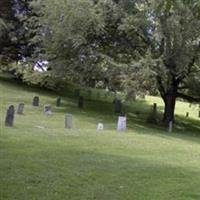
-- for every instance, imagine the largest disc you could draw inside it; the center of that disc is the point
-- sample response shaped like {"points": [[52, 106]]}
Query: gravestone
{"points": [[117, 105], [20, 108], [154, 109], [68, 121], [58, 101], [80, 102], [199, 113], [187, 114], [36, 101], [170, 127], [10, 116], [77, 92], [100, 127], [121, 125], [47, 110]]}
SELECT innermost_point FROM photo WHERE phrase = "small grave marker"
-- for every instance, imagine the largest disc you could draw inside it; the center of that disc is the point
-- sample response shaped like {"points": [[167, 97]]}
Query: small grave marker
{"points": [[10, 116], [68, 121], [121, 125], [36, 100], [187, 114], [47, 110], [100, 127], [58, 101], [117, 105], [20, 109], [80, 102]]}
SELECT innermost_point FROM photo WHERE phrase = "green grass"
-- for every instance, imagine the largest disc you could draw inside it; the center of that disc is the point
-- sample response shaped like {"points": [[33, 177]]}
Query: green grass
{"points": [[53, 163]]}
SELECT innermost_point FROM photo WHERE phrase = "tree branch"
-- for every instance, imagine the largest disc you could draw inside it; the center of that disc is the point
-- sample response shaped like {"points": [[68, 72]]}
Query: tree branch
{"points": [[188, 98]]}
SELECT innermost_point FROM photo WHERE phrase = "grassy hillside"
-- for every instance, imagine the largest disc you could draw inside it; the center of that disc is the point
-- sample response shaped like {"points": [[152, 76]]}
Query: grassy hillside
{"points": [[39, 159]]}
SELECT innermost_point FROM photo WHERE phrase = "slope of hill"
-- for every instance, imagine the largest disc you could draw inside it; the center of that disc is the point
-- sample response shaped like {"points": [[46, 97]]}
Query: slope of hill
{"points": [[40, 159]]}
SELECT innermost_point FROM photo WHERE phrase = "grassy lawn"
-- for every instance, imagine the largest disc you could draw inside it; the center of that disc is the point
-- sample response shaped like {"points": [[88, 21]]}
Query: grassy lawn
{"points": [[40, 160]]}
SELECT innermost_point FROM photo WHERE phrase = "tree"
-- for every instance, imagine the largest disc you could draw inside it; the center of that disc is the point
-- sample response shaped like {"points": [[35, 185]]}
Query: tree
{"points": [[174, 50]]}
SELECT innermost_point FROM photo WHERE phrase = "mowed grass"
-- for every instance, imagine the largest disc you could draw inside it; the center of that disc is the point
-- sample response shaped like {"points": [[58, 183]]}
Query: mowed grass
{"points": [[40, 160]]}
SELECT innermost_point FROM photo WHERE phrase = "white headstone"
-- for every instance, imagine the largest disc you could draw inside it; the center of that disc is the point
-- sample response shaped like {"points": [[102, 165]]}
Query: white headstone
{"points": [[68, 121], [47, 110], [100, 127], [121, 125]]}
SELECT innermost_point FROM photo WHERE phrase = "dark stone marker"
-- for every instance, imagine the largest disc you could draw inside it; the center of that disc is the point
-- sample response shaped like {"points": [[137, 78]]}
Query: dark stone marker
{"points": [[154, 109], [10, 116], [199, 113], [58, 101], [47, 110], [77, 92], [117, 105], [68, 121], [80, 102], [36, 101], [20, 108], [187, 114]]}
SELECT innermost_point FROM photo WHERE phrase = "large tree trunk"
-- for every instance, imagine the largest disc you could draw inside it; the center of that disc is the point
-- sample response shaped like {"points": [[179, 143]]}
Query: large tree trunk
{"points": [[169, 102], [169, 98]]}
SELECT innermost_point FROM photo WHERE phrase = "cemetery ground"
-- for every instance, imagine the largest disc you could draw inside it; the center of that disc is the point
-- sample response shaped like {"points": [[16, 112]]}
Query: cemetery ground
{"points": [[40, 159]]}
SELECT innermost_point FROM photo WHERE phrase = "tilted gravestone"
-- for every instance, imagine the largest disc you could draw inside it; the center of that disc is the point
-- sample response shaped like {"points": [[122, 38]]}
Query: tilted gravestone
{"points": [[68, 121], [10, 116], [58, 101], [20, 108], [47, 110], [36, 101], [117, 105], [187, 114], [199, 113], [80, 102]]}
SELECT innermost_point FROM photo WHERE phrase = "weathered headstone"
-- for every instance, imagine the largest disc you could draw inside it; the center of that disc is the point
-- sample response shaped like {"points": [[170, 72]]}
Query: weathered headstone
{"points": [[187, 114], [100, 127], [170, 127], [10, 116], [117, 105], [80, 102], [199, 113], [121, 125], [154, 109], [58, 101], [36, 101], [77, 92], [47, 110], [68, 121], [20, 108]]}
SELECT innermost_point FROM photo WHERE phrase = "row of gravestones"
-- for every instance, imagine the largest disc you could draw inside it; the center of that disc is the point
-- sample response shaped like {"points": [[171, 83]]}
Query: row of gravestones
{"points": [[9, 120], [68, 118]]}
